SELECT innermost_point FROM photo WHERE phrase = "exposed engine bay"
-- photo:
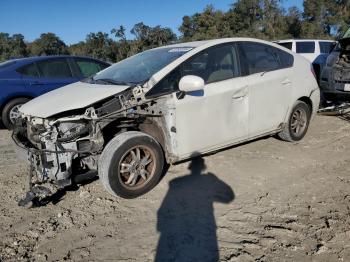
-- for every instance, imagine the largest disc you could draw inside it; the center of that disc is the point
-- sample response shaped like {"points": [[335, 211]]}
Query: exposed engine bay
{"points": [[65, 148]]}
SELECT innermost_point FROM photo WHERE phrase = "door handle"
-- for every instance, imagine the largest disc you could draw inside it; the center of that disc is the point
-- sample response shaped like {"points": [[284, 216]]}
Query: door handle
{"points": [[36, 84], [286, 82]]}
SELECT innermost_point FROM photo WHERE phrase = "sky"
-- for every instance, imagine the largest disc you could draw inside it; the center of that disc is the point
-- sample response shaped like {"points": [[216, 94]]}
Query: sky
{"points": [[72, 20]]}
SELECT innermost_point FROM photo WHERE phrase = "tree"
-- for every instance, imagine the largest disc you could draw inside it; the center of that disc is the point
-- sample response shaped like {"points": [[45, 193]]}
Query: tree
{"points": [[78, 49], [209, 24], [272, 20], [123, 45], [12, 46], [316, 19], [339, 18], [48, 44], [148, 37], [294, 22], [245, 18], [99, 45]]}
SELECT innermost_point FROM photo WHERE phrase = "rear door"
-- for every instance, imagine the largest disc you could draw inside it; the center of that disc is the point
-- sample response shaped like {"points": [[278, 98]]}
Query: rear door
{"points": [[268, 72], [46, 75]]}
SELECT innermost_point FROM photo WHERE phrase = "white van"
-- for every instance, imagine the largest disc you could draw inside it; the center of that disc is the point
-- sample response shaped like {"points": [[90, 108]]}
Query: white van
{"points": [[308, 48]]}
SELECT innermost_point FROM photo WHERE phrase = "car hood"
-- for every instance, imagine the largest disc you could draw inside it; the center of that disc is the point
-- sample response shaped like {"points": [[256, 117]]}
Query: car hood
{"points": [[74, 96]]}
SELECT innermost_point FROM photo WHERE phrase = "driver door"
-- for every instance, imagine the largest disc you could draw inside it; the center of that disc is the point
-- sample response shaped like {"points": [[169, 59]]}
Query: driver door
{"points": [[218, 115]]}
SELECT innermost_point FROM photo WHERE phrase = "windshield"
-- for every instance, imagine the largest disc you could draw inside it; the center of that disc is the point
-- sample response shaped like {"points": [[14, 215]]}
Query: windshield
{"points": [[141, 67]]}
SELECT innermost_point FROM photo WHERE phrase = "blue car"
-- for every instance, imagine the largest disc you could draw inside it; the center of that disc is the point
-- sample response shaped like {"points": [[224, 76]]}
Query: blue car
{"points": [[26, 78]]}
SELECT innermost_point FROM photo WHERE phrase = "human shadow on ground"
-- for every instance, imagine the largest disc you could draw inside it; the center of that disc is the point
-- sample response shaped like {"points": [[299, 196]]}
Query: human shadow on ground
{"points": [[186, 220]]}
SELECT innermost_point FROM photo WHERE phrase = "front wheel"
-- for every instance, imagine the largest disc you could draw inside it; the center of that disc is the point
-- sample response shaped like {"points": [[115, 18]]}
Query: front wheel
{"points": [[10, 111], [131, 164], [298, 123]]}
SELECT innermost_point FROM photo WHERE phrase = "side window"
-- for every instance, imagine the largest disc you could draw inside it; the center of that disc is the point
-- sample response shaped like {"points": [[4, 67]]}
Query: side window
{"points": [[326, 47], [30, 70], [305, 47], [259, 58], [168, 84], [214, 64], [54, 68], [286, 60], [88, 68], [288, 45]]}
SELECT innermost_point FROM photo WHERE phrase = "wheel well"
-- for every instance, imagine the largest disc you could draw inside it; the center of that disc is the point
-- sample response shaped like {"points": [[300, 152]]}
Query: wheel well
{"points": [[12, 98], [148, 127], [307, 101]]}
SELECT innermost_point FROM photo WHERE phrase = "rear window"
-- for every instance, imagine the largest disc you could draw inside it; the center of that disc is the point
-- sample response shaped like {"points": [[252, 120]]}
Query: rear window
{"points": [[30, 70], [54, 68], [288, 45], [305, 47], [326, 47]]}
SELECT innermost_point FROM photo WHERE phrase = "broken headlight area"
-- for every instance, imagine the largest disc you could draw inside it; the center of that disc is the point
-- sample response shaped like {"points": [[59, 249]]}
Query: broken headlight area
{"points": [[59, 151]]}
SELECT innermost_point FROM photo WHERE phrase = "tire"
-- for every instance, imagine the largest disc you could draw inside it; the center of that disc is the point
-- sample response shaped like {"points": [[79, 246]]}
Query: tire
{"points": [[6, 111], [289, 133], [118, 153]]}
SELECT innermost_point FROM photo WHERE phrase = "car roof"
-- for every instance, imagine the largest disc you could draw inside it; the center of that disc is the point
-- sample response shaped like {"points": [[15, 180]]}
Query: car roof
{"points": [[212, 42], [302, 40]]}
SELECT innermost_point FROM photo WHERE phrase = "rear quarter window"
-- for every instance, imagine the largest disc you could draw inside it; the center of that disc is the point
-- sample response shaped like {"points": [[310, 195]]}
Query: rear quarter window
{"points": [[288, 45], [286, 59], [258, 57], [305, 47]]}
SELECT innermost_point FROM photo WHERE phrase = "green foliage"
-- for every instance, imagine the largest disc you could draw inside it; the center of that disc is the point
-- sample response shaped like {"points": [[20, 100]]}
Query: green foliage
{"points": [[12, 46], [99, 45], [48, 44], [209, 24], [265, 19]]}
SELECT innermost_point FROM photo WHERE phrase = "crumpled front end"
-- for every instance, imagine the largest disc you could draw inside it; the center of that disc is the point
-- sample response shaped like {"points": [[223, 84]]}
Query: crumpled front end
{"points": [[59, 148], [65, 148]]}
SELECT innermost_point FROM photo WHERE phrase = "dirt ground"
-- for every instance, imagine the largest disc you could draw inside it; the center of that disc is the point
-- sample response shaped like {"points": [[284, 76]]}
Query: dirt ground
{"points": [[264, 201]]}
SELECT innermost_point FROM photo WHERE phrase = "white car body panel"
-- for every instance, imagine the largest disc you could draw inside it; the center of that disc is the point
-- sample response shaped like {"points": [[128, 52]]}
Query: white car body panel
{"points": [[212, 117], [268, 100], [225, 113], [74, 96]]}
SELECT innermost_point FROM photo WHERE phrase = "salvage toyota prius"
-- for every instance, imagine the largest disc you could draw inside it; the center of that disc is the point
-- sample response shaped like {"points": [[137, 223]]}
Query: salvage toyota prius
{"points": [[162, 106]]}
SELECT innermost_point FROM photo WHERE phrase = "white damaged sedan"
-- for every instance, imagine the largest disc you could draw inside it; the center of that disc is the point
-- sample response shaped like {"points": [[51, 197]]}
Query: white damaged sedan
{"points": [[162, 106]]}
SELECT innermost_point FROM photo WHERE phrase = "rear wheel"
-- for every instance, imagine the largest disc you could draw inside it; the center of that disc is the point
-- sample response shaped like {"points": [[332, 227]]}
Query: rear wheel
{"points": [[131, 164], [298, 123], [11, 111]]}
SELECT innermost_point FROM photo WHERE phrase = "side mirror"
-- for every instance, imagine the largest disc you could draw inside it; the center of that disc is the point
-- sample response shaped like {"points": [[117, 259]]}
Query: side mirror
{"points": [[191, 83]]}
